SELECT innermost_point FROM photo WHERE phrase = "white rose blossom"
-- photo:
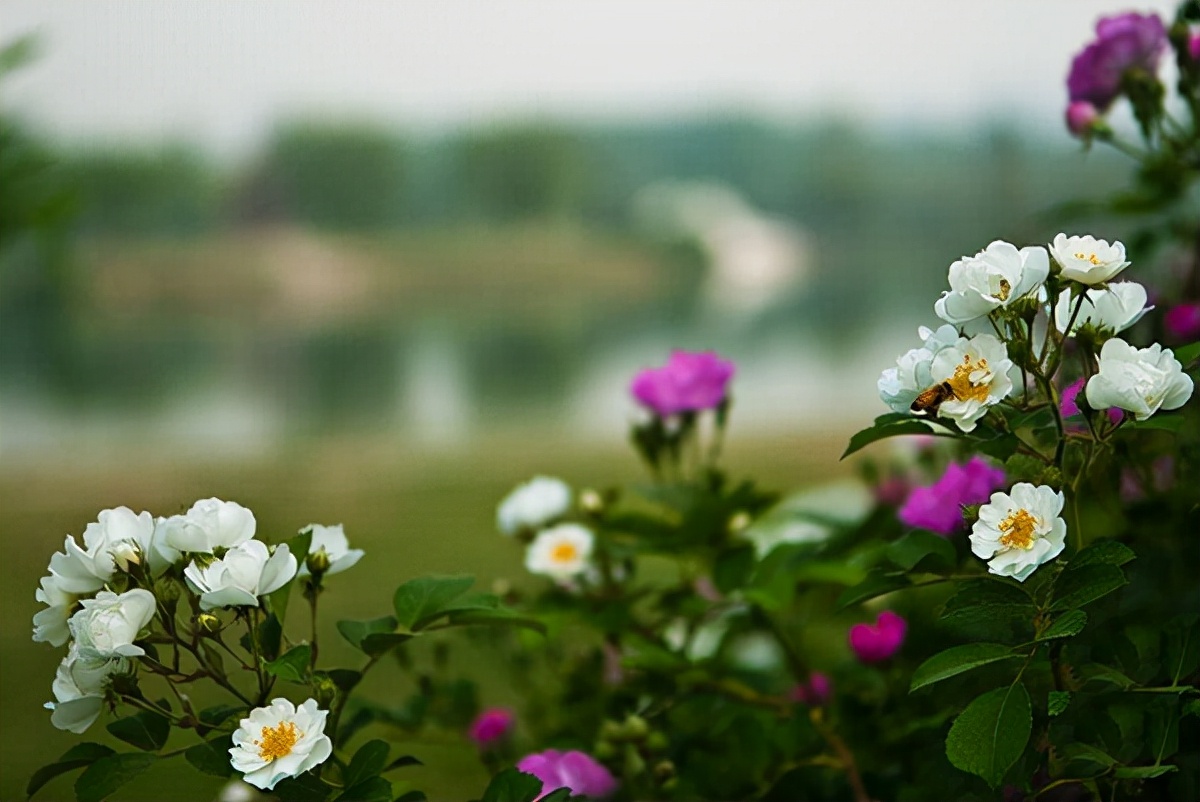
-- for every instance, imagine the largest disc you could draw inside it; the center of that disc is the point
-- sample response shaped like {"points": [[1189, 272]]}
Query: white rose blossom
{"points": [[117, 539], [1138, 380], [50, 624], [560, 552], [1020, 530], [241, 576], [209, 524], [993, 278], [280, 741], [900, 386], [1088, 260], [533, 505], [332, 540], [107, 625], [976, 373], [79, 687], [1110, 310]]}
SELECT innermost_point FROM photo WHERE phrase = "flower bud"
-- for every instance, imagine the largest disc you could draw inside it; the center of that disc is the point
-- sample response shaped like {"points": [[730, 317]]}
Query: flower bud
{"points": [[208, 623], [317, 563], [324, 690], [591, 502], [635, 728], [166, 591], [739, 521], [1082, 116], [664, 770]]}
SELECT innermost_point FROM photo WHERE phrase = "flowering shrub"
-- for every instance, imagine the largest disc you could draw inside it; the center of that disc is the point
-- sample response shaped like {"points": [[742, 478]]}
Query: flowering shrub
{"points": [[1011, 613]]}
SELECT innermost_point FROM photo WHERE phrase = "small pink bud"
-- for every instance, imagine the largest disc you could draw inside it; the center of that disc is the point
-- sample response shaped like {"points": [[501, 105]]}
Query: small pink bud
{"points": [[874, 643], [815, 692], [491, 726], [1183, 322], [1081, 117], [1194, 46]]}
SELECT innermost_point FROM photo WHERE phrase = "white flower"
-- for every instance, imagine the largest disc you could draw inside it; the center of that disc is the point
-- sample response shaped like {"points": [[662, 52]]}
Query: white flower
{"points": [[79, 685], [332, 540], [209, 524], [560, 552], [50, 625], [1112, 310], [1140, 380], [900, 386], [975, 372], [241, 576], [280, 741], [118, 538], [533, 504], [108, 625], [1088, 260], [995, 277], [1020, 530]]}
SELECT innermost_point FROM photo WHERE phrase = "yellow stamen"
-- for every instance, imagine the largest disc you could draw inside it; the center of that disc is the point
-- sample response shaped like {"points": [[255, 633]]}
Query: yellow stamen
{"points": [[1005, 290], [564, 553], [1091, 257], [1018, 530], [961, 385], [278, 741]]}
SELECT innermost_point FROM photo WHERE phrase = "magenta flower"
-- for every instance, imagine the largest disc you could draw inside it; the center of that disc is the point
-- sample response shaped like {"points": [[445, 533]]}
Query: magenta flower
{"points": [[938, 507], [1194, 46], [815, 692], [1183, 321], [874, 643], [1068, 404], [584, 775], [491, 726], [1124, 42], [689, 382], [1081, 116]]}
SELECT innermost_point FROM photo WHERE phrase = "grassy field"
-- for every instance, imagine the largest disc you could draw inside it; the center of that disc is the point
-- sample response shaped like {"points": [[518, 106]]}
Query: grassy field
{"points": [[412, 513]]}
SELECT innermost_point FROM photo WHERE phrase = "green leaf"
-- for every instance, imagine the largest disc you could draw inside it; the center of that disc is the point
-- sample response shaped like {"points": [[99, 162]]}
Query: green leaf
{"points": [[990, 735], [382, 642], [956, 660], [277, 602], [1081, 586], [914, 547], [217, 715], [1182, 653], [503, 616], [732, 568], [78, 756], [1057, 702], [1143, 772], [292, 666], [367, 762], [355, 631], [1065, 626], [874, 585], [345, 678], [1078, 755], [889, 426], [1103, 552], [413, 796], [1097, 673], [270, 637], [109, 773], [1187, 354], [1161, 420], [145, 730], [424, 598], [211, 757], [404, 761], [305, 788], [374, 789], [511, 785]]}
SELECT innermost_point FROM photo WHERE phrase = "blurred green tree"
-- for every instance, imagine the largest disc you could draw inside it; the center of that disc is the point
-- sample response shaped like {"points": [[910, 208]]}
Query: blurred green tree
{"points": [[524, 171]]}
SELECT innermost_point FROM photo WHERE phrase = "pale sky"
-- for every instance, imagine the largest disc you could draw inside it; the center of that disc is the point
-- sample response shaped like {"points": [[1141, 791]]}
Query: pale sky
{"points": [[220, 73]]}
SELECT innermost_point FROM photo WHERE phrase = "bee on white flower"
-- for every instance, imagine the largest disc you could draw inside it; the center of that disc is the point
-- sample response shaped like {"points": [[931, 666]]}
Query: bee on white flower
{"points": [[899, 387], [1109, 311], [241, 576], [975, 375], [1088, 260], [1020, 530], [1139, 380], [280, 741], [996, 277], [533, 505], [561, 552]]}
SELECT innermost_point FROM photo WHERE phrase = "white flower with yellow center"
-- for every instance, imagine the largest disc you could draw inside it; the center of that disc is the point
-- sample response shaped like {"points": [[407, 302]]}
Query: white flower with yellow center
{"points": [[241, 576], [333, 542], [974, 375], [1088, 260], [1110, 311], [560, 552], [1139, 380], [995, 277], [280, 741], [1020, 530], [107, 625], [900, 386], [79, 686], [533, 505]]}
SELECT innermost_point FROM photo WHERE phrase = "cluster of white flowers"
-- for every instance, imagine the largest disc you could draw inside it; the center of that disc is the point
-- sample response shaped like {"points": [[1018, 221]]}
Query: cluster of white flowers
{"points": [[561, 552]]}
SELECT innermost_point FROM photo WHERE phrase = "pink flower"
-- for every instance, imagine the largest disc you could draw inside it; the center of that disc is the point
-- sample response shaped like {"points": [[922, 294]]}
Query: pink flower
{"points": [[581, 773], [1194, 46], [1123, 42], [874, 643], [1183, 322], [1081, 116], [938, 507], [491, 726], [689, 382], [815, 692], [1069, 403]]}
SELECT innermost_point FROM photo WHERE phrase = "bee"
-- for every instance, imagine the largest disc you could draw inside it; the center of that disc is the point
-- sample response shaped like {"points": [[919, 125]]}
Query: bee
{"points": [[930, 399]]}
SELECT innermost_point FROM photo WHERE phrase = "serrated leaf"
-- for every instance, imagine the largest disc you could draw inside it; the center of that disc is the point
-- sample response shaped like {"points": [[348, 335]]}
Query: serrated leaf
{"points": [[211, 757], [108, 774], [292, 666], [889, 427], [1143, 772], [1104, 552], [1097, 673], [424, 598], [1078, 754], [367, 762], [990, 735], [1066, 626], [355, 631], [78, 756], [1057, 702], [874, 585], [915, 546], [1081, 586], [956, 660], [145, 730], [512, 785]]}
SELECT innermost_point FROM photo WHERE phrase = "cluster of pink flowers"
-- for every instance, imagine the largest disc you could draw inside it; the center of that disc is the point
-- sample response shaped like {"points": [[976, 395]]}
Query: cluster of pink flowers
{"points": [[689, 382], [938, 507], [1124, 43]]}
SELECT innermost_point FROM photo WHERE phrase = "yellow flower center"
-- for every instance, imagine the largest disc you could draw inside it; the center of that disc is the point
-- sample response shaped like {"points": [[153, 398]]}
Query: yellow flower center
{"points": [[961, 385], [1005, 290], [564, 553], [1090, 257], [277, 741], [1018, 530]]}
